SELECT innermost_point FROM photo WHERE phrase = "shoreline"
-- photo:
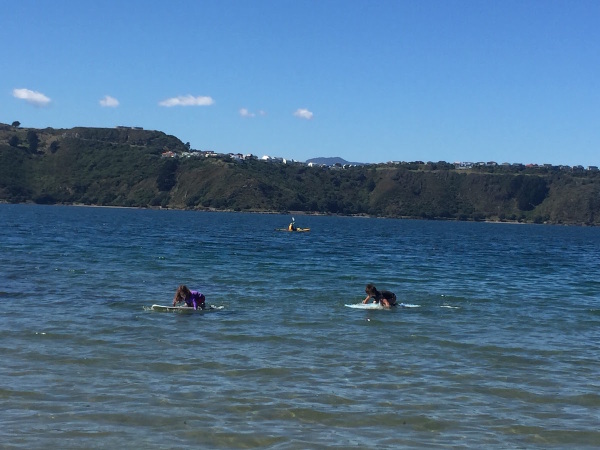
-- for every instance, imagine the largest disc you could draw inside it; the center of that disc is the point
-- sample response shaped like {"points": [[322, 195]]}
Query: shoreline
{"points": [[305, 213]]}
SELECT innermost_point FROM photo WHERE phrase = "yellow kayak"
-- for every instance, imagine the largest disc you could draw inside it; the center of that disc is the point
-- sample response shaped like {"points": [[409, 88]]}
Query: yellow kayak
{"points": [[297, 230]]}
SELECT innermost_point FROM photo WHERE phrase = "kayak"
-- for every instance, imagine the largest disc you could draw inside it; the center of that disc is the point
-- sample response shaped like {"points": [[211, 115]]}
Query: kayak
{"points": [[297, 230]]}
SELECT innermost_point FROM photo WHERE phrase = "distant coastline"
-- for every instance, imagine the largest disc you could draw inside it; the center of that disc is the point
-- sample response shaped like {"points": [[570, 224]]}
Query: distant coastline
{"points": [[135, 168]]}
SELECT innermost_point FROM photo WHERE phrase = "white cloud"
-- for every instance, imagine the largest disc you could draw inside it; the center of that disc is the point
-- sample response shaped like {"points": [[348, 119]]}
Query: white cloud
{"points": [[303, 113], [245, 113], [187, 100], [32, 97], [109, 102]]}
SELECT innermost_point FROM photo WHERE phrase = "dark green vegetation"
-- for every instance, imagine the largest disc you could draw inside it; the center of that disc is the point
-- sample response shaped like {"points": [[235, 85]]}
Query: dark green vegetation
{"points": [[125, 167]]}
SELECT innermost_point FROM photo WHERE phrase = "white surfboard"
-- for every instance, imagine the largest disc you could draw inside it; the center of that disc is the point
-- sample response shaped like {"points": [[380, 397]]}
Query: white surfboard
{"points": [[164, 308], [379, 306], [365, 306]]}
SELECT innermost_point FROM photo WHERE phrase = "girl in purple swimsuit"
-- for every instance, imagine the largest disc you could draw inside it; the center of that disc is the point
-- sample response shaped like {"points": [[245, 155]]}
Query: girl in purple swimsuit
{"points": [[193, 299]]}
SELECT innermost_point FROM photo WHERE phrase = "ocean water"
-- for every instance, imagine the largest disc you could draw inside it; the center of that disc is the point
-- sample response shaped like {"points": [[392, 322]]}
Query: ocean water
{"points": [[502, 350]]}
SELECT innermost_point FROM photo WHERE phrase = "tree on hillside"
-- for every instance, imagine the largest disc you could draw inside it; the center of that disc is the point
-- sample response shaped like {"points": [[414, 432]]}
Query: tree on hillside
{"points": [[33, 140], [13, 141], [16, 124], [166, 178], [529, 191]]}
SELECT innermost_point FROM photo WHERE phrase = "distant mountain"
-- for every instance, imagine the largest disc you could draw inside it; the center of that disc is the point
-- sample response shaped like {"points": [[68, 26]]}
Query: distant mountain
{"points": [[331, 161]]}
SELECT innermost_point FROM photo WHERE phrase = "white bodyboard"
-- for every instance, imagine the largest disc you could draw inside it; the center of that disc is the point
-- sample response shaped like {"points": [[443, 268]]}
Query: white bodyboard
{"points": [[164, 308], [379, 306], [365, 306]]}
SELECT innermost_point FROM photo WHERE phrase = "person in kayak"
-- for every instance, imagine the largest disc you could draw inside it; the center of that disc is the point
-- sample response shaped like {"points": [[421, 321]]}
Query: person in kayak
{"points": [[193, 299], [386, 298], [292, 226]]}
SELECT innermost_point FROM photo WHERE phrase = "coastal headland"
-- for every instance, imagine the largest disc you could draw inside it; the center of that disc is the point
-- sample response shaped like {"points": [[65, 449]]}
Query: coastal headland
{"points": [[132, 167]]}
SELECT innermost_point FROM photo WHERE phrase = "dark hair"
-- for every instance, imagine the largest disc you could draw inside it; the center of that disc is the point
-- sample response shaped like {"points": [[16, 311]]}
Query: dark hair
{"points": [[371, 289], [182, 293]]}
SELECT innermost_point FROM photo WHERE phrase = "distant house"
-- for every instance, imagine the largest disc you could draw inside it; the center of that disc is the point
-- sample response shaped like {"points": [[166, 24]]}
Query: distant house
{"points": [[464, 165], [192, 154], [123, 127], [271, 159], [168, 154], [236, 156], [291, 161]]}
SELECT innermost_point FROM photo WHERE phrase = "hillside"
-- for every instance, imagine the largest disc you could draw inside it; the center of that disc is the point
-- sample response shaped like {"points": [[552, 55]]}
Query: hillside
{"points": [[126, 167]]}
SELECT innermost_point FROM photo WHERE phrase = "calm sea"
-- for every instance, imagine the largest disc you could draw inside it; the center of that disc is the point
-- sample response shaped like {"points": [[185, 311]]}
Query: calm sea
{"points": [[502, 352]]}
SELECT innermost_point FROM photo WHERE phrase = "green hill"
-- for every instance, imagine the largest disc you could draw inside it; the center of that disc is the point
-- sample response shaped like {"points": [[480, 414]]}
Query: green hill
{"points": [[126, 167]]}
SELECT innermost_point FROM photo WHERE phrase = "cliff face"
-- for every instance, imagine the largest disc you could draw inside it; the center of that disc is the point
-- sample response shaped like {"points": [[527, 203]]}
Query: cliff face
{"points": [[125, 167]]}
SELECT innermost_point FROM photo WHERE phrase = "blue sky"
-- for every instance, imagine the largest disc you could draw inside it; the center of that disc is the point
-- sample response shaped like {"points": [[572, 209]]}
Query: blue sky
{"points": [[369, 81]]}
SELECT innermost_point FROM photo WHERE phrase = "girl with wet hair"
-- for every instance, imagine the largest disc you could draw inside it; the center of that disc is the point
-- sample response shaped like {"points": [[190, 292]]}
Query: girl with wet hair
{"points": [[193, 299]]}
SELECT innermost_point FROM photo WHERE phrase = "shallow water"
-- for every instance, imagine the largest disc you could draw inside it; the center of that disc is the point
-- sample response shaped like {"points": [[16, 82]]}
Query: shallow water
{"points": [[502, 352]]}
